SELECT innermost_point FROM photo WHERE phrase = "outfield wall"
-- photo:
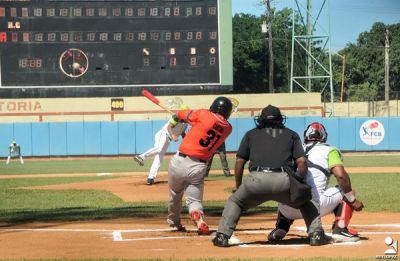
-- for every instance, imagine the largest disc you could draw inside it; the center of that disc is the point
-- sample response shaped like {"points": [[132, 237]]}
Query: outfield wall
{"points": [[133, 137], [140, 108]]}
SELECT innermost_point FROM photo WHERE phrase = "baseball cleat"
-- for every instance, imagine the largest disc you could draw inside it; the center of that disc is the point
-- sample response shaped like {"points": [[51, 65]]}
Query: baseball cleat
{"points": [[202, 227], [150, 182], [139, 160], [178, 228], [221, 240], [282, 226], [344, 235], [277, 234], [318, 238]]}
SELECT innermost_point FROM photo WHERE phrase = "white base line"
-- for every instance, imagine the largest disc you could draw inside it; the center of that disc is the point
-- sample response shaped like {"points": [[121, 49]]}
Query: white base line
{"points": [[86, 230], [159, 238]]}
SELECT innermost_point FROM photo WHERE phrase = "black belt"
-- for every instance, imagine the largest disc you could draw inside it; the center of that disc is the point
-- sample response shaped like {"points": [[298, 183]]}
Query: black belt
{"points": [[266, 169], [183, 155]]}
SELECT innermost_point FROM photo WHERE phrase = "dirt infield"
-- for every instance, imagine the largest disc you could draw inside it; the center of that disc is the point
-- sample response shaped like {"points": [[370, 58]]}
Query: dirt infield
{"points": [[135, 238]]}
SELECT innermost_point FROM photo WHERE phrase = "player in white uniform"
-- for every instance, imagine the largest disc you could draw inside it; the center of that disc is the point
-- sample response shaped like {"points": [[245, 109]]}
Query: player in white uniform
{"points": [[322, 161], [169, 132], [14, 150]]}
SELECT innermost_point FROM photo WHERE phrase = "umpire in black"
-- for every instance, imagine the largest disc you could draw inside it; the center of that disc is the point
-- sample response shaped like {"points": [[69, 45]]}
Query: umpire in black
{"points": [[268, 147]]}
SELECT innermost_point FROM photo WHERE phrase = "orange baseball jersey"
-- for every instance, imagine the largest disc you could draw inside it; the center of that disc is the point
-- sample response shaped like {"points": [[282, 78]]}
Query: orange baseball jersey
{"points": [[209, 130]]}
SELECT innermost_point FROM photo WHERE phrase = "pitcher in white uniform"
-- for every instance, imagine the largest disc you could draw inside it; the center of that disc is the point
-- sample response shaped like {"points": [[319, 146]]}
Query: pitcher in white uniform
{"points": [[169, 132], [322, 161]]}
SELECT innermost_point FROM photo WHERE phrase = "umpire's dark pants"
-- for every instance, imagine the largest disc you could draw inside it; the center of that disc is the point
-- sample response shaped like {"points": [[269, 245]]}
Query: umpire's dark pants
{"points": [[258, 188]]}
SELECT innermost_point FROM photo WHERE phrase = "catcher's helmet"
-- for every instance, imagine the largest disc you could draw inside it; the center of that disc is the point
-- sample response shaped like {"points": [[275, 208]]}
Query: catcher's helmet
{"points": [[315, 132], [223, 106]]}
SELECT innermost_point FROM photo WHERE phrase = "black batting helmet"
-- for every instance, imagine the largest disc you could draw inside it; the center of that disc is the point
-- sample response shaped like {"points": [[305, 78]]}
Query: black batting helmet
{"points": [[223, 106], [315, 132]]}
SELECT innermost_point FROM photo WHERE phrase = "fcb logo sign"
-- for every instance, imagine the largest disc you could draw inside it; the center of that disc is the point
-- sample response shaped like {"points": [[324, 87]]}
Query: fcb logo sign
{"points": [[372, 132]]}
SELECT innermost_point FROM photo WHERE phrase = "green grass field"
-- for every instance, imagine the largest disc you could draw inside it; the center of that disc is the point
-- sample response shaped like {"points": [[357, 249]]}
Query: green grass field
{"points": [[23, 205], [126, 164]]}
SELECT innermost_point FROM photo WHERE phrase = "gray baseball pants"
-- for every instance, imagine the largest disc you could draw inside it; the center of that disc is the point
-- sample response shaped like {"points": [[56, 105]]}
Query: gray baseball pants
{"points": [[258, 188], [185, 175]]}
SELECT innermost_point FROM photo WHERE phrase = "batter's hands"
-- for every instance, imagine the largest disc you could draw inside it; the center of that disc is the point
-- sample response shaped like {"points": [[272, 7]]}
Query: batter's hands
{"points": [[357, 205]]}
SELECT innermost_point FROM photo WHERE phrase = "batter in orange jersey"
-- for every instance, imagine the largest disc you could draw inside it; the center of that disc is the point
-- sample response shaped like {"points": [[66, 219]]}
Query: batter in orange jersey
{"points": [[188, 167], [208, 132]]}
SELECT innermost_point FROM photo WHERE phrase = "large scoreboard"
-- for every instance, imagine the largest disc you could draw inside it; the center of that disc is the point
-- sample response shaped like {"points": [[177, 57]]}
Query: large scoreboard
{"points": [[97, 48]]}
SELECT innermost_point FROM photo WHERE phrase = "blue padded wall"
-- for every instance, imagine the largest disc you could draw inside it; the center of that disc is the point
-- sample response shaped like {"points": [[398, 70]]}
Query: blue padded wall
{"points": [[40, 139], [128, 138], [23, 136], [75, 138], [58, 138], [109, 138]]}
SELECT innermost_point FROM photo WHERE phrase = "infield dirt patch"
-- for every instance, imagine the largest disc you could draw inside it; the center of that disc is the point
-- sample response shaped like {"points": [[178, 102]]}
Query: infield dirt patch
{"points": [[138, 238]]}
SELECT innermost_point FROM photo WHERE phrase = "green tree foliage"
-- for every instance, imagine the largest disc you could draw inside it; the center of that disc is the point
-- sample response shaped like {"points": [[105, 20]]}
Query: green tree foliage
{"points": [[250, 52], [365, 64], [365, 59]]}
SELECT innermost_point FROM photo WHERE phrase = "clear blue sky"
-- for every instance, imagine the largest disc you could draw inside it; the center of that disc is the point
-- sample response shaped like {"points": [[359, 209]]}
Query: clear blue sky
{"points": [[348, 18]]}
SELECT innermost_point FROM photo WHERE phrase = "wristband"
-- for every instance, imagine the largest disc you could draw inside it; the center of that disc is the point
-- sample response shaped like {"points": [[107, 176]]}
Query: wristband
{"points": [[350, 196]]}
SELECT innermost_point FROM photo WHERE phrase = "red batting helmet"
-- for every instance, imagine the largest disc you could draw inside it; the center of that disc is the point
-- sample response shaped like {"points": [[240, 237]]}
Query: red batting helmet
{"points": [[315, 132]]}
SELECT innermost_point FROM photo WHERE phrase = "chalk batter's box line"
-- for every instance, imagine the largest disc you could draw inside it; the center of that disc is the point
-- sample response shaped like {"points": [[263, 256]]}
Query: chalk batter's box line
{"points": [[117, 235]]}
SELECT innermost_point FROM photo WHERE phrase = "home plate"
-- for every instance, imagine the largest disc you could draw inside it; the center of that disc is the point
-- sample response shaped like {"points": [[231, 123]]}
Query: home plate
{"points": [[234, 241]]}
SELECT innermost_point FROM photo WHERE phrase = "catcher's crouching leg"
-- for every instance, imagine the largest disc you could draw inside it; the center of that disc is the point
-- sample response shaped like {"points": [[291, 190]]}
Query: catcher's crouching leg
{"points": [[340, 230]]}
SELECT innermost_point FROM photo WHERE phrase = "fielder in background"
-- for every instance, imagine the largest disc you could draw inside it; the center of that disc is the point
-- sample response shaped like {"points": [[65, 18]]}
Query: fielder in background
{"points": [[221, 150], [323, 160], [269, 147], [188, 166], [169, 132], [14, 151]]}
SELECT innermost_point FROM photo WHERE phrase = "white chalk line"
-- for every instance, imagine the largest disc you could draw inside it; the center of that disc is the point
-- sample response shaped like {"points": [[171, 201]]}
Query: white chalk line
{"points": [[86, 230], [104, 174], [117, 235]]}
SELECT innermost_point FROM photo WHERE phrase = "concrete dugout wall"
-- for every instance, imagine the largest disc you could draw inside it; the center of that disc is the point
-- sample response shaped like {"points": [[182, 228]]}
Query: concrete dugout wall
{"points": [[133, 137]]}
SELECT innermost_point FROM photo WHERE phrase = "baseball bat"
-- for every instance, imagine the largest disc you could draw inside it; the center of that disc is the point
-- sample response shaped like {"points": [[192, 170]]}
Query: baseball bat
{"points": [[153, 99]]}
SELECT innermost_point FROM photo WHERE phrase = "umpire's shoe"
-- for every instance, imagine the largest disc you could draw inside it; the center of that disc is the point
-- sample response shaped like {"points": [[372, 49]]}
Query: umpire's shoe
{"points": [[318, 238], [221, 240]]}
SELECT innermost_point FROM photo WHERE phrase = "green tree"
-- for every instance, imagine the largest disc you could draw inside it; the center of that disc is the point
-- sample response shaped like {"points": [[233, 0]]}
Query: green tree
{"points": [[250, 52], [364, 75]]}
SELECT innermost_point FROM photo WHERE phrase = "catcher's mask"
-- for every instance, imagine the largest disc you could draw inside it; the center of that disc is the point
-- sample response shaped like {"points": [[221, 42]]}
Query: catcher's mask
{"points": [[315, 132], [223, 106], [270, 117]]}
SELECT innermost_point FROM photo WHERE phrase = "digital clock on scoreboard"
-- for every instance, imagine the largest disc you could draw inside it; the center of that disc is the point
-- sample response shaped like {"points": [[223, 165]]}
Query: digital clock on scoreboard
{"points": [[98, 48]]}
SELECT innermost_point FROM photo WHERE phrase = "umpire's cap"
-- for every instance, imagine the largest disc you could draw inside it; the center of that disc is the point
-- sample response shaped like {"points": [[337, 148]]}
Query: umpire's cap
{"points": [[270, 117], [222, 105], [271, 113]]}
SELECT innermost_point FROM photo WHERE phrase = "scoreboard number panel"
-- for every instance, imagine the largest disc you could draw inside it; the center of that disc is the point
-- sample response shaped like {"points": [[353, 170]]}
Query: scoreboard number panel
{"points": [[115, 45]]}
